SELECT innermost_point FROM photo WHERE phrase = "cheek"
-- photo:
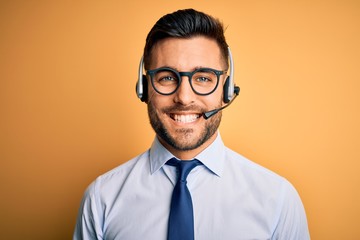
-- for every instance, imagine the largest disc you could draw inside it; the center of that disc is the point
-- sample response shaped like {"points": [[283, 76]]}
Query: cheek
{"points": [[151, 94], [215, 99], [158, 101]]}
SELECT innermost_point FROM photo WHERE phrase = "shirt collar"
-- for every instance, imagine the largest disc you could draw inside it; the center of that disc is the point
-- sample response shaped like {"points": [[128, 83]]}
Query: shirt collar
{"points": [[212, 157]]}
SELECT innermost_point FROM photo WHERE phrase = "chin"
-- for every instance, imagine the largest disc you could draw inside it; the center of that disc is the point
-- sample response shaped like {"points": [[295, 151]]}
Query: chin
{"points": [[183, 136]]}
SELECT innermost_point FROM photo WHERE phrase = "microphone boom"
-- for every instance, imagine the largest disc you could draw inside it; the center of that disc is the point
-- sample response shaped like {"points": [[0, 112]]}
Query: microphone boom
{"points": [[211, 113]]}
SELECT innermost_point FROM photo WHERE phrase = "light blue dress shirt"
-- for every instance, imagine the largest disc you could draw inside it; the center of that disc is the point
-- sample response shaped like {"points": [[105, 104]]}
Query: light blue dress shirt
{"points": [[233, 198]]}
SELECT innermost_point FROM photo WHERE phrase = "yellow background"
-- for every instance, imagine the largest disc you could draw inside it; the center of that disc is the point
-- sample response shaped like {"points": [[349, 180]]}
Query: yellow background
{"points": [[68, 110]]}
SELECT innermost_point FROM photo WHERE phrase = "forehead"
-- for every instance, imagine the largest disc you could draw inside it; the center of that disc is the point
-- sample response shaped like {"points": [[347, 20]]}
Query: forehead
{"points": [[186, 54]]}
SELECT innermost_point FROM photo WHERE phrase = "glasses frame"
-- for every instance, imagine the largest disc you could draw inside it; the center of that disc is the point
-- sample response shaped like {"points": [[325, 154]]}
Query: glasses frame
{"points": [[152, 73]]}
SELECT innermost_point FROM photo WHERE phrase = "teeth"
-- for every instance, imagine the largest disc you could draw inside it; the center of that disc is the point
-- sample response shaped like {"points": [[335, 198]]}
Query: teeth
{"points": [[186, 118]]}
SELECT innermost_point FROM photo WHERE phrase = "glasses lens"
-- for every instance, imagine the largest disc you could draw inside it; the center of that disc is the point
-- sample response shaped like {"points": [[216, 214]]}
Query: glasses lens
{"points": [[204, 81], [165, 81]]}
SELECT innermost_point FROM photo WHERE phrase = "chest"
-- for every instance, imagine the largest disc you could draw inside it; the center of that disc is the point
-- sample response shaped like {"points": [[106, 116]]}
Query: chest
{"points": [[221, 210]]}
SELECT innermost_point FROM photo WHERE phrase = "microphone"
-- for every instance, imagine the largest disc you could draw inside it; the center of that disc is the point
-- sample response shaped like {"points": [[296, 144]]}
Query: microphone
{"points": [[211, 113]]}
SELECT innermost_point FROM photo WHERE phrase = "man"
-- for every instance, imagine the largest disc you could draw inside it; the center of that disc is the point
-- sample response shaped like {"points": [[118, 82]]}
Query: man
{"points": [[158, 195]]}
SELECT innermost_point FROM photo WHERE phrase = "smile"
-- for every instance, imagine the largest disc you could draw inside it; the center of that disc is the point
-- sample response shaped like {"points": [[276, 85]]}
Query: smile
{"points": [[184, 118]]}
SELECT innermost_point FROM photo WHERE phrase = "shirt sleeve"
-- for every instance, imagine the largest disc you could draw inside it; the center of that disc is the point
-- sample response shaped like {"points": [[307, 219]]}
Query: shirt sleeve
{"points": [[88, 223], [292, 223]]}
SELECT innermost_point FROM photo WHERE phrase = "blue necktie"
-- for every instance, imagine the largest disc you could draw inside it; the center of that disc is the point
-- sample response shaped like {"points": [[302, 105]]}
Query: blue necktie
{"points": [[181, 219]]}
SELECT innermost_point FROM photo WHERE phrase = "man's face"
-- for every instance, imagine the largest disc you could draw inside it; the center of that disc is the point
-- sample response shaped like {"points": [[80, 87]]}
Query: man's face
{"points": [[177, 118]]}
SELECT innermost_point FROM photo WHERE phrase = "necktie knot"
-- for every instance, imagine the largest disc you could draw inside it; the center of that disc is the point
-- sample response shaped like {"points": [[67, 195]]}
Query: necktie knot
{"points": [[184, 167]]}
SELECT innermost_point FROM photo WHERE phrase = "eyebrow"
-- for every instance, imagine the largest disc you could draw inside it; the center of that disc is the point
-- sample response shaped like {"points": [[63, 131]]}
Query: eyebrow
{"points": [[176, 69]]}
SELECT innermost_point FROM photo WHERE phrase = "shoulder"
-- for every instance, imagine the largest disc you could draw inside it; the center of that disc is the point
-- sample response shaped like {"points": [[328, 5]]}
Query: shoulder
{"points": [[242, 165], [101, 195], [113, 179], [262, 181], [268, 188]]}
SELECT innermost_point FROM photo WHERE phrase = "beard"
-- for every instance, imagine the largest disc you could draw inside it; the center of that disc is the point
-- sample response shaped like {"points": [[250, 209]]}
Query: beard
{"points": [[184, 138]]}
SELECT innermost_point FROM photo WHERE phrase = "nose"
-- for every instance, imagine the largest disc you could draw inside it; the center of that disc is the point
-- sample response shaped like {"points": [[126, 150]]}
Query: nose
{"points": [[184, 94]]}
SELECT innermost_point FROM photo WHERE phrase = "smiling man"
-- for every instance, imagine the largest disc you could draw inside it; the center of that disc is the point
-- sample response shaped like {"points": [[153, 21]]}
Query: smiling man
{"points": [[188, 185]]}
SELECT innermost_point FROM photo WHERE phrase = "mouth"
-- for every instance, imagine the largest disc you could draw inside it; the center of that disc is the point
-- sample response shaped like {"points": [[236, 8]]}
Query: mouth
{"points": [[184, 118]]}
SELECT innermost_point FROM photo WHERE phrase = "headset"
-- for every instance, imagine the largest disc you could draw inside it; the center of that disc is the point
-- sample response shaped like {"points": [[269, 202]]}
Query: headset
{"points": [[230, 89]]}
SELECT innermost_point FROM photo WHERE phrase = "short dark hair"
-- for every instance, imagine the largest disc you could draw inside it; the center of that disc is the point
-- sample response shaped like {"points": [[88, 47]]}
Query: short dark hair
{"points": [[185, 23]]}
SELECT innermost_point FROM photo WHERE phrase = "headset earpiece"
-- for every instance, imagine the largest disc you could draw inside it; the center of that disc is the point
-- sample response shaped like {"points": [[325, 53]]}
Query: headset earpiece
{"points": [[226, 94], [142, 88], [229, 87], [141, 85], [145, 87]]}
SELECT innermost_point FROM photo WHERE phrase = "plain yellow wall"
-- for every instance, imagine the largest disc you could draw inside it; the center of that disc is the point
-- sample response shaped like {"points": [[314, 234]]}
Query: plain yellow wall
{"points": [[68, 109]]}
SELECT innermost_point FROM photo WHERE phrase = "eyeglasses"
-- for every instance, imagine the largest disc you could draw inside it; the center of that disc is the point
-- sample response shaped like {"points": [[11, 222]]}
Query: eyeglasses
{"points": [[166, 81]]}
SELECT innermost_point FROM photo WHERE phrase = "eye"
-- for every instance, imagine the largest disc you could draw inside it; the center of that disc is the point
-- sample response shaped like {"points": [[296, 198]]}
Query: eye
{"points": [[203, 79], [167, 79]]}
